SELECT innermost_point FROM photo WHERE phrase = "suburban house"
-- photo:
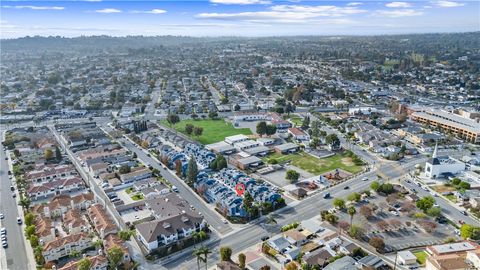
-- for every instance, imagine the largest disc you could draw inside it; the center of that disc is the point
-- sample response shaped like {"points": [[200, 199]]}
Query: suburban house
{"points": [[98, 262], [102, 221], [298, 134], [286, 148]]}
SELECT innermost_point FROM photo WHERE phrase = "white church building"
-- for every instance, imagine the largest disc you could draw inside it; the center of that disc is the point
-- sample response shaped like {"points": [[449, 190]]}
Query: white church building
{"points": [[442, 166]]}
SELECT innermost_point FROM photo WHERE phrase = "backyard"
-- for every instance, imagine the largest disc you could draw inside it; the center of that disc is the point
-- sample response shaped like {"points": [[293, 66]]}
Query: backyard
{"points": [[213, 130], [316, 165]]}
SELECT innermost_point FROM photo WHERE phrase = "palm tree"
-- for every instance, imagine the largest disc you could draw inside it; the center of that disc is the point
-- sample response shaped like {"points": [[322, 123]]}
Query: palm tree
{"points": [[205, 251], [351, 211], [195, 236], [198, 254], [202, 235]]}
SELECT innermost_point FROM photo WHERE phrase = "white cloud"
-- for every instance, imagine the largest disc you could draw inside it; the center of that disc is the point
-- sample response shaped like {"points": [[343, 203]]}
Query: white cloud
{"points": [[108, 10], [285, 13], [240, 2], [352, 4], [398, 5], [153, 11], [35, 7], [447, 4], [399, 13]]}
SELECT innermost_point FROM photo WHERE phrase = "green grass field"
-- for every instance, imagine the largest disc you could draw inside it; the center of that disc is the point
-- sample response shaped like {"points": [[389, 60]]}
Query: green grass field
{"points": [[315, 165], [421, 256], [213, 130], [297, 120]]}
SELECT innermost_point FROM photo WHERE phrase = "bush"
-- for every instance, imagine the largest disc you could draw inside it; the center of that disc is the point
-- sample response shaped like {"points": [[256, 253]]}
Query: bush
{"points": [[290, 226]]}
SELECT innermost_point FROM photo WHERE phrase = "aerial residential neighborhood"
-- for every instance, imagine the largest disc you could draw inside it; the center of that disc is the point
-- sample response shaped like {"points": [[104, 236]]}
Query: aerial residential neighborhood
{"points": [[240, 135]]}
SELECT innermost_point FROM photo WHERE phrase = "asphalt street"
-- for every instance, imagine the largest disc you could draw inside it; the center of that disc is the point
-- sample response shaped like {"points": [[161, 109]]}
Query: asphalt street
{"points": [[16, 258]]}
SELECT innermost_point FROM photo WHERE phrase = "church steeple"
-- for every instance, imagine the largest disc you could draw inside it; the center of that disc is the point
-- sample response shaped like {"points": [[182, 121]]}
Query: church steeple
{"points": [[435, 150]]}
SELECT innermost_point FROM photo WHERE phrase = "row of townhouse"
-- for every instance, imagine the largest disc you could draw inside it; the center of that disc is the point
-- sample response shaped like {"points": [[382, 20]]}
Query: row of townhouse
{"points": [[174, 221], [55, 187], [219, 188], [173, 156], [203, 156], [103, 223], [64, 246], [98, 262], [46, 173], [60, 204]]}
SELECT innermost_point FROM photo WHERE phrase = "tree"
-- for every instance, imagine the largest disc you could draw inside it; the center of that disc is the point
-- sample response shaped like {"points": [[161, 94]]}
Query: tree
{"points": [[339, 203], [124, 169], [427, 225], [386, 188], [205, 251], [48, 154], [382, 225], [236, 107], [38, 255], [354, 197], [261, 128], [355, 231], [197, 252], [375, 185], [29, 231], [29, 218], [425, 203], [225, 254], [58, 153], [468, 231], [24, 202], [115, 256], [394, 223], [192, 171], [189, 129], [241, 260], [125, 234], [291, 266], [306, 123], [84, 264], [331, 218], [197, 131], [98, 243], [332, 139], [178, 167], [351, 212], [172, 119], [144, 144], [434, 212], [366, 211], [377, 243], [271, 129], [292, 176]]}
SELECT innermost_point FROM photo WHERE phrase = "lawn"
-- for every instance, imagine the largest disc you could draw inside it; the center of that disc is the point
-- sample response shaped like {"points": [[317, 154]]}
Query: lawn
{"points": [[137, 197], [452, 198], [421, 256], [315, 165], [129, 190], [297, 120], [213, 130]]}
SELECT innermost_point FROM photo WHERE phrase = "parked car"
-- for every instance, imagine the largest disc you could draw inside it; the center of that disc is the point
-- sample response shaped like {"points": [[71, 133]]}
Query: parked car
{"points": [[265, 238], [19, 220], [326, 195]]}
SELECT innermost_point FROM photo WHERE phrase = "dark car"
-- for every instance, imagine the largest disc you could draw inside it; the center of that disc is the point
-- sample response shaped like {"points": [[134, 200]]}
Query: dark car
{"points": [[346, 187], [326, 195], [265, 238]]}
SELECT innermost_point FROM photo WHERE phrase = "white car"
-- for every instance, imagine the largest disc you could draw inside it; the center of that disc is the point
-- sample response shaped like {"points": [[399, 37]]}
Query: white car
{"points": [[224, 220], [3, 231], [1, 216]]}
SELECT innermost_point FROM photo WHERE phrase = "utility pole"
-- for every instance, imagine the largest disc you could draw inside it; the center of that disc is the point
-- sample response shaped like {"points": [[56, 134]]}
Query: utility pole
{"points": [[395, 264]]}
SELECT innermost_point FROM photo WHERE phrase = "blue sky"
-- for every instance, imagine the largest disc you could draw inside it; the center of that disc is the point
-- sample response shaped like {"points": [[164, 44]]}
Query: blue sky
{"points": [[235, 17]]}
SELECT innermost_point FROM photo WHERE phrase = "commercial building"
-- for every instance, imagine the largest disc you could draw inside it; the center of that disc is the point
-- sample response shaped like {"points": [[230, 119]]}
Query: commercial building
{"points": [[442, 166], [463, 127]]}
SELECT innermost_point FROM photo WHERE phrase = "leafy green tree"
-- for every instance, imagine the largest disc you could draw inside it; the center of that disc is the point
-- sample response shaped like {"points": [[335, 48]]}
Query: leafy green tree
{"points": [[34, 241], [375, 185], [125, 235], [225, 254], [241, 260], [197, 131], [172, 119], [468, 231], [29, 231], [354, 197], [331, 218], [425, 203], [332, 139], [124, 169], [84, 264], [48, 154], [115, 256], [292, 176], [339, 203], [306, 122], [58, 153], [189, 129], [434, 212], [271, 129], [261, 128], [29, 219], [192, 171]]}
